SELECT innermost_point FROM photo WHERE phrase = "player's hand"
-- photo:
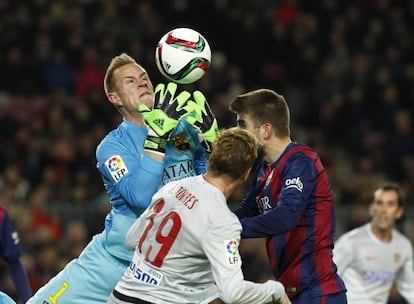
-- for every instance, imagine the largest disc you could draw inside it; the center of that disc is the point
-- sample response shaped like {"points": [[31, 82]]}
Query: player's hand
{"points": [[203, 119], [163, 118], [168, 108], [284, 300]]}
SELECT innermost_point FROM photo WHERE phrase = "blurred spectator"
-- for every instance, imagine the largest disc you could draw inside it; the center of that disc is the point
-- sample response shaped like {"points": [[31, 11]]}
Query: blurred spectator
{"points": [[45, 227]]}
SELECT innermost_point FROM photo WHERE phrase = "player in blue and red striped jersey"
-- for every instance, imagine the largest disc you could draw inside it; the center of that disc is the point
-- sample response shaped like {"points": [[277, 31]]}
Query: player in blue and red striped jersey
{"points": [[289, 203], [11, 253]]}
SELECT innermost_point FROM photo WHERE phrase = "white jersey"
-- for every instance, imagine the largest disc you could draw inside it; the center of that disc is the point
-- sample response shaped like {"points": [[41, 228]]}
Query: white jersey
{"points": [[186, 250], [369, 266]]}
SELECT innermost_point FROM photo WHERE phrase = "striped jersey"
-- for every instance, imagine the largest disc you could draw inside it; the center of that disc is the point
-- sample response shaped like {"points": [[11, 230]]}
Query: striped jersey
{"points": [[290, 203], [369, 266]]}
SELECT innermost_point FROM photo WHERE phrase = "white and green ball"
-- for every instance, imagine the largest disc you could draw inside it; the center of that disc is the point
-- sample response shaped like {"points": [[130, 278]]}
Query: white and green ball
{"points": [[183, 55]]}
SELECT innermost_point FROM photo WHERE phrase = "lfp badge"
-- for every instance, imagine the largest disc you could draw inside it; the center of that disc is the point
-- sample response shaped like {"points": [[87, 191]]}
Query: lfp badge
{"points": [[232, 251], [116, 167]]}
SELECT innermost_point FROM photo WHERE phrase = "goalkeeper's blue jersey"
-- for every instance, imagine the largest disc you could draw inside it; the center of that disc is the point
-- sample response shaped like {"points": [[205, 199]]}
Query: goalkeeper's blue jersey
{"points": [[131, 177]]}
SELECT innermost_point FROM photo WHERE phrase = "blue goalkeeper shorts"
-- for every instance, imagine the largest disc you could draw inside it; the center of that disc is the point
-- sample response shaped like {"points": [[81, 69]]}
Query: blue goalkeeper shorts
{"points": [[90, 278], [5, 299]]}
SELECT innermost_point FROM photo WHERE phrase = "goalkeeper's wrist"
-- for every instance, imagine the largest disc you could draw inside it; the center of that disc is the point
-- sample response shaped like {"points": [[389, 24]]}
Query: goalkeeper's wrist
{"points": [[155, 144]]}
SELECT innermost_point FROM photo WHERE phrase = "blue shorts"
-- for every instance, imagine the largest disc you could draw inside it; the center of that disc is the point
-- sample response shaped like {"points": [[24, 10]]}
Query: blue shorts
{"points": [[5, 299], [88, 279]]}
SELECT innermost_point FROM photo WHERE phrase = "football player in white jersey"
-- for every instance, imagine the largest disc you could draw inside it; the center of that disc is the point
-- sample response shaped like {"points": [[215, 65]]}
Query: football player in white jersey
{"points": [[186, 242], [370, 258]]}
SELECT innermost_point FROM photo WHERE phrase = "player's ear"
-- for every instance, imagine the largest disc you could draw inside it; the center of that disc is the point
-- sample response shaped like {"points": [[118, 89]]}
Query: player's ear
{"points": [[114, 99], [266, 130], [400, 213], [246, 174]]}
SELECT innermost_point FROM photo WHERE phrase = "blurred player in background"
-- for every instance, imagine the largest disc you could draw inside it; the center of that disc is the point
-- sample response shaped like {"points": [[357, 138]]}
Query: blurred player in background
{"points": [[289, 203], [186, 242], [151, 146], [372, 257], [11, 253]]}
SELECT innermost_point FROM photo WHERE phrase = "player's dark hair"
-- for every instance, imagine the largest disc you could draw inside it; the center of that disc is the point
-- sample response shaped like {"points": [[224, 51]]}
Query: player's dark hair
{"points": [[391, 186], [234, 152], [264, 106]]}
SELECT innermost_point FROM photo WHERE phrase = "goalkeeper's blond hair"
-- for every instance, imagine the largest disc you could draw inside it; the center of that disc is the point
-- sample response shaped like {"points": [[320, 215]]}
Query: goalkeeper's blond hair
{"points": [[116, 63]]}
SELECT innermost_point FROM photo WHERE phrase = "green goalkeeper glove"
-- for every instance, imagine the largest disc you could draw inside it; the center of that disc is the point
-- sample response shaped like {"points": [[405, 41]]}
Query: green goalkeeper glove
{"points": [[203, 119], [163, 118]]}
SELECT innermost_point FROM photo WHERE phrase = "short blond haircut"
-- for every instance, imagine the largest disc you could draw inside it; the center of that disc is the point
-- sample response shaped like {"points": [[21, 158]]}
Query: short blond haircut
{"points": [[234, 152], [116, 63]]}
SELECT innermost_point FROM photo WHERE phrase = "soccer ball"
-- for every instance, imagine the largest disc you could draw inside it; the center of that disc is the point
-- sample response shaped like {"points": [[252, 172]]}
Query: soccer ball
{"points": [[183, 55]]}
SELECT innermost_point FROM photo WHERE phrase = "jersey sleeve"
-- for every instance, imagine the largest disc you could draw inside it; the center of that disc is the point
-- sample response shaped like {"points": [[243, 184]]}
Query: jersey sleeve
{"points": [[298, 180], [405, 277], [343, 253], [10, 247], [128, 176], [221, 247]]}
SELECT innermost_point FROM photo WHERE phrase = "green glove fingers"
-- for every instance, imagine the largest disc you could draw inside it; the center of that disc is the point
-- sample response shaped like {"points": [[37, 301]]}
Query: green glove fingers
{"points": [[163, 118], [157, 120], [165, 99], [203, 119], [169, 107]]}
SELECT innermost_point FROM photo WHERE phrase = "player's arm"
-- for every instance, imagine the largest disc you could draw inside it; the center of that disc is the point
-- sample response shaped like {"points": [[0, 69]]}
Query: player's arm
{"points": [[283, 215], [11, 253], [343, 253], [129, 173], [221, 248], [405, 276]]}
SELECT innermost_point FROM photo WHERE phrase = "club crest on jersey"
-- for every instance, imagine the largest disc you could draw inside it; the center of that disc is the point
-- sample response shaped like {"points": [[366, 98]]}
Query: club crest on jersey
{"points": [[232, 251], [116, 167], [181, 143]]}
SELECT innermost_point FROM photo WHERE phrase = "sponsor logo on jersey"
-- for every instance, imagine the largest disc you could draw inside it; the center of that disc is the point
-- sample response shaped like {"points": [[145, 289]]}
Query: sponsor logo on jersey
{"points": [[263, 204], [116, 167], [181, 143], [294, 183], [232, 251], [178, 171], [384, 277], [145, 274]]}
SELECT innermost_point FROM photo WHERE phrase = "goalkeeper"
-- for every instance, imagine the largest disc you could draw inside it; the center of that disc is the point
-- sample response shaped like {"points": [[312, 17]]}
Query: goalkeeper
{"points": [[162, 137]]}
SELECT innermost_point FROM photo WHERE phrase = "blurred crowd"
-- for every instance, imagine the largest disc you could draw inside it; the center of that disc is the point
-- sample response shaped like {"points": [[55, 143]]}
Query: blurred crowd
{"points": [[346, 68]]}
